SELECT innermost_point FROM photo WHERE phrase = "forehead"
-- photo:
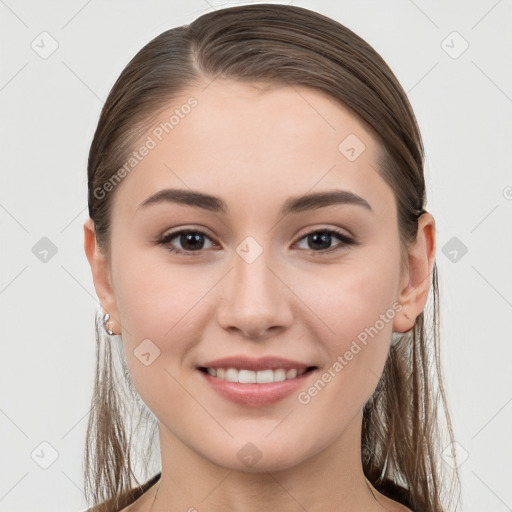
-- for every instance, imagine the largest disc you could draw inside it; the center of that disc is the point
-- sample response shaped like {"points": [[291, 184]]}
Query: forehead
{"points": [[253, 143]]}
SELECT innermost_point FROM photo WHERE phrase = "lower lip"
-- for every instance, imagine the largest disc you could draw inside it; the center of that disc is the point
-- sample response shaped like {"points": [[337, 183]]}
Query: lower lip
{"points": [[255, 395]]}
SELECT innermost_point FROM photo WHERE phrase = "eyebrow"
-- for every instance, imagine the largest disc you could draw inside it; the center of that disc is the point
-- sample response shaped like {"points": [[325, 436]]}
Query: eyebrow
{"points": [[297, 204]]}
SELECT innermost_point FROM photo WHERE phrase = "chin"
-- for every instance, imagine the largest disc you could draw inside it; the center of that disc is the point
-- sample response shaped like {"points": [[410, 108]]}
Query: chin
{"points": [[258, 457]]}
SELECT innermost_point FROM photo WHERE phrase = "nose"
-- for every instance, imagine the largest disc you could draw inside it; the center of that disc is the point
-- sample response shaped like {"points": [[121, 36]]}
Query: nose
{"points": [[255, 299]]}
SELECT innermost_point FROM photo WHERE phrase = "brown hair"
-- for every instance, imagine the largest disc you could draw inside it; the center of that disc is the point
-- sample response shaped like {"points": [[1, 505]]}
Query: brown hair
{"points": [[281, 44]]}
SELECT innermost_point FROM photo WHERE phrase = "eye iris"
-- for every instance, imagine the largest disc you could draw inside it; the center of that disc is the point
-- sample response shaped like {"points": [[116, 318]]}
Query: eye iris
{"points": [[193, 240], [321, 237]]}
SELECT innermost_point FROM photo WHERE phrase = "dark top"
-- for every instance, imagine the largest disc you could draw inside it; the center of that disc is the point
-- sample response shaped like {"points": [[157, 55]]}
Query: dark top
{"points": [[150, 483]]}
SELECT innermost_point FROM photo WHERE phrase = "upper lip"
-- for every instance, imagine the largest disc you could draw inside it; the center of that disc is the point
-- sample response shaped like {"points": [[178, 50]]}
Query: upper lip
{"points": [[262, 363]]}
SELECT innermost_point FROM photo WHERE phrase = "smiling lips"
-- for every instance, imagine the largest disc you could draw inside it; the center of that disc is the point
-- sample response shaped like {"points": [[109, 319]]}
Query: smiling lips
{"points": [[255, 382], [254, 377], [249, 363]]}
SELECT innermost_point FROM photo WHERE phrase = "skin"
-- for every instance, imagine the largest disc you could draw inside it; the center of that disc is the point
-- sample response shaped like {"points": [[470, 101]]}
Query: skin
{"points": [[255, 147]]}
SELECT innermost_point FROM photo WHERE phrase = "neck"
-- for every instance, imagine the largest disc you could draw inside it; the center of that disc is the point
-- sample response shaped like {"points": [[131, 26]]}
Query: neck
{"points": [[331, 479]]}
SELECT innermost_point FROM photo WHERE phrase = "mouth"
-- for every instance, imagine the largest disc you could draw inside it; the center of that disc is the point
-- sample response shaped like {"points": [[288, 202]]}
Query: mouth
{"points": [[246, 376], [256, 388]]}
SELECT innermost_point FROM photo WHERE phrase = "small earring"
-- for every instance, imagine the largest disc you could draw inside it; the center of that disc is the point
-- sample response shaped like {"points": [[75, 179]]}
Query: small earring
{"points": [[106, 318]]}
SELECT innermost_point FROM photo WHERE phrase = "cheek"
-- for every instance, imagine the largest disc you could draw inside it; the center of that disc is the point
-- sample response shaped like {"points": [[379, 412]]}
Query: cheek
{"points": [[156, 312], [163, 304], [357, 293], [357, 311], [151, 294], [356, 306]]}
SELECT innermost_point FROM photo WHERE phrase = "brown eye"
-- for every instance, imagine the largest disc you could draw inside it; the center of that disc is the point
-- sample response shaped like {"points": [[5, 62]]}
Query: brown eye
{"points": [[191, 241], [320, 240]]}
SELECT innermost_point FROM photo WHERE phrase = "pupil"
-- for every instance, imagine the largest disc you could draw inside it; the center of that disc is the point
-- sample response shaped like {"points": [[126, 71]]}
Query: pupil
{"points": [[192, 240], [323, 237]]}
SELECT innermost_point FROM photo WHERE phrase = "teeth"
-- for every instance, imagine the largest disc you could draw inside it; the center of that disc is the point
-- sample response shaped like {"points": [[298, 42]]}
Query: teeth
{"points": [[253, 377]]}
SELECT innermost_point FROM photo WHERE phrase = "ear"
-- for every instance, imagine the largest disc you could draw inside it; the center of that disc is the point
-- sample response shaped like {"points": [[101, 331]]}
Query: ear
{"points": [[416, 279], [101, 275]]}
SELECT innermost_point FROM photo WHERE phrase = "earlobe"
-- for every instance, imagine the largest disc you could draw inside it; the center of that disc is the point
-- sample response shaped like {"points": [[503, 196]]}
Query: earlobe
{"points": [[417, 278], [101, 274]]}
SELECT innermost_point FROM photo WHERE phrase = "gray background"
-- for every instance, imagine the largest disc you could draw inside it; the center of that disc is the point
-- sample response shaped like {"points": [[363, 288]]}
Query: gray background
{"points": [[50, 107]]}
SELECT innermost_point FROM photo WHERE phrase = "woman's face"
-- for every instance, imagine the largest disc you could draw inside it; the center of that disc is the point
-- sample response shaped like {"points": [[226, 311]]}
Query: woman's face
{"points": [[253, 284]]}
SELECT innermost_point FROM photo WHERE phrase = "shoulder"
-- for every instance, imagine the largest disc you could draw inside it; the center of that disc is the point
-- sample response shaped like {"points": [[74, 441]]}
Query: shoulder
{"points": [[402, 508], [393, 506]]}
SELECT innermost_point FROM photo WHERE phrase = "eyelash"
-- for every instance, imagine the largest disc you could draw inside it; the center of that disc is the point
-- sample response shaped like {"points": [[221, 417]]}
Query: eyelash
{"points": [[345, 241]]}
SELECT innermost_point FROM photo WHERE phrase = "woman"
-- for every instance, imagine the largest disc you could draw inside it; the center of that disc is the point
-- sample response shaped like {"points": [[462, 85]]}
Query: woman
{"points": [[260, 246]]}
